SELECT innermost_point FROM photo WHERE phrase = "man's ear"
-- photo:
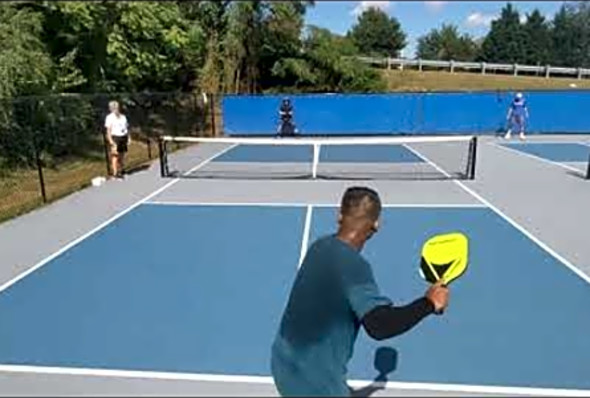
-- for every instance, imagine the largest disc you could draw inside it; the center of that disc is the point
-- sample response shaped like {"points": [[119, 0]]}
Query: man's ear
{"points": [[340, 218], [376, 225]]}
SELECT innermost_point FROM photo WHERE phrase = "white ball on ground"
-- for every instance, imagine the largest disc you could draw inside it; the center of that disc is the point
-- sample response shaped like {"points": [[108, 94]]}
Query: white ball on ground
{"points": [[98, 181], [573, 85]]}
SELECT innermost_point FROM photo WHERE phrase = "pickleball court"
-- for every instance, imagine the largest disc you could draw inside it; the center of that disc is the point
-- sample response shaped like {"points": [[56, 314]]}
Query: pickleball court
{"points": [[187, 284]]}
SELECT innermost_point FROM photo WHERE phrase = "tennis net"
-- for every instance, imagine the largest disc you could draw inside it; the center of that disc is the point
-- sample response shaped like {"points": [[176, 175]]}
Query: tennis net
{"points": [[390, 157]]}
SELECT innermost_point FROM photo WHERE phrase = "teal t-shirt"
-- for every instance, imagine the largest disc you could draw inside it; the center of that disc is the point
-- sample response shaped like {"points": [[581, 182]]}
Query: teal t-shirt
{"points": [[333, 290]]}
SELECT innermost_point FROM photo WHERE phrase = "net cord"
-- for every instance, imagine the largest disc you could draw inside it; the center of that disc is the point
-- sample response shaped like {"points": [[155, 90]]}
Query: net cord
{"points": [[320, 140]]}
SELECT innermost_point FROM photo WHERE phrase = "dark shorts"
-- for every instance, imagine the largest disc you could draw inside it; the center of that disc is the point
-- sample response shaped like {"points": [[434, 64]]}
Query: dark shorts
{"points": [[121, 143]]}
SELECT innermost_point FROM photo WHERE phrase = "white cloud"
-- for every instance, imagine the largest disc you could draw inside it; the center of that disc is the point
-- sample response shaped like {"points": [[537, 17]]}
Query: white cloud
{"points": [[478, 19], [365, 5], [435, 5]]}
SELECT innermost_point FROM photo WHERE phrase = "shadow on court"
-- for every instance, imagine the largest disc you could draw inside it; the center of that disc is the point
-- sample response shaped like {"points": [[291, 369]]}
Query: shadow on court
{"points": [[385, 363]]}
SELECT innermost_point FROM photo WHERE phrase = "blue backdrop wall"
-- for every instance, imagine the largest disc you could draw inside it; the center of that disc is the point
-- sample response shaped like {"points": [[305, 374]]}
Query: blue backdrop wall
{"points": [[407, 113]]}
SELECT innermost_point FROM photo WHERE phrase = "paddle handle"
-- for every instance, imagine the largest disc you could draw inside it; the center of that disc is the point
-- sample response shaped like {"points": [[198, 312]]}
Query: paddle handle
{"points": [[442, 310]]}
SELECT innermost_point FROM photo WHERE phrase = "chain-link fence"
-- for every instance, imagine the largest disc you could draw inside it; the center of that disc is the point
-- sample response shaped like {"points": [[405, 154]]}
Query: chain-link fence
{"points": [[53, 145]]}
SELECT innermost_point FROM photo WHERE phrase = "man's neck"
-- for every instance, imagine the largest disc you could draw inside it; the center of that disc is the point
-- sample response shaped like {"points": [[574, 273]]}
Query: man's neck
{"points": [[351, 238]]}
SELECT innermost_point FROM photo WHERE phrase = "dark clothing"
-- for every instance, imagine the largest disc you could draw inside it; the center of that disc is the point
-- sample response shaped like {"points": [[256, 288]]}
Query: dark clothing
{"points": [[333, 294], [121, 142]]}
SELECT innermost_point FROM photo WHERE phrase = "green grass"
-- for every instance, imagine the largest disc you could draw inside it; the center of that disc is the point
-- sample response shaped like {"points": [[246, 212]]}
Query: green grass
{"points": [[416, 81]]}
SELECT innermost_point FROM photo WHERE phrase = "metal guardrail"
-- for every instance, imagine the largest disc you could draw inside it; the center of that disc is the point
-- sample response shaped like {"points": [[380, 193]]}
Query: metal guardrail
{"points": [[483, 67]]}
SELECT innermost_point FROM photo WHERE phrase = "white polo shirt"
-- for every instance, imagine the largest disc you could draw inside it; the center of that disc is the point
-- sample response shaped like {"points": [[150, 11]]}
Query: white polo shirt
{"points": [[118, 124]]}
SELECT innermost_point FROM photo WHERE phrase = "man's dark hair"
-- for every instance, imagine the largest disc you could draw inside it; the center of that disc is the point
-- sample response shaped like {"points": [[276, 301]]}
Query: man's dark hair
{"points": [[361, 202]]}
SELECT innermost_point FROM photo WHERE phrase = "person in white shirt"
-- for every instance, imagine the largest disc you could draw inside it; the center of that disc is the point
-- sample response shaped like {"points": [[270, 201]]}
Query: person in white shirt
{"points": [[117, 137]]}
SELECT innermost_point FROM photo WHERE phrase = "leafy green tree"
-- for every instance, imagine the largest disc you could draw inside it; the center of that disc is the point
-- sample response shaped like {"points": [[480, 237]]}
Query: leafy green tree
{"points": [[145, 46], [537, 39], [25, 65], [375, 33], [242, 46], [325, 66], [446, 44], [506, 41]]}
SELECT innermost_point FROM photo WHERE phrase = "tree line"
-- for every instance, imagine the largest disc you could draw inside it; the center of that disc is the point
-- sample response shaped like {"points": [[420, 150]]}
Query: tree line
{"points": [[252, 46], [562, 41]]}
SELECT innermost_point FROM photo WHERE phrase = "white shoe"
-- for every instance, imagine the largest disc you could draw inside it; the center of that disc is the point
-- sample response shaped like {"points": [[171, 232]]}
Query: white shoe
{"points": [[521, 136], [507, 136]]}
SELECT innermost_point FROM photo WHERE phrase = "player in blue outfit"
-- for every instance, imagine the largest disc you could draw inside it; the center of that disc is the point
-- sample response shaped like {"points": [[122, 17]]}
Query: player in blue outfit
{"points": [[518, 114]]}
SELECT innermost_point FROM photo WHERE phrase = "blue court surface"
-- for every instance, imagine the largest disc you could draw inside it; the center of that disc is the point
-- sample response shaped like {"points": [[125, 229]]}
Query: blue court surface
{"points": [[201, 288], [328, 153], [554, 151]]}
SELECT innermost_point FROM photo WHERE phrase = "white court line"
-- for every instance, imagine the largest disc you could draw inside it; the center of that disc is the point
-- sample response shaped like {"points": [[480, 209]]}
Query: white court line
{"points": [[305, 237], [299, 204], [74, 242], [152, 375], [516, 225], [529, 155]]}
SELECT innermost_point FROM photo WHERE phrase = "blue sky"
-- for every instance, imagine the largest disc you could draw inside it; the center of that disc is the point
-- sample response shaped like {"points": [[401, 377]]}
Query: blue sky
{"points": [[418, 17]]}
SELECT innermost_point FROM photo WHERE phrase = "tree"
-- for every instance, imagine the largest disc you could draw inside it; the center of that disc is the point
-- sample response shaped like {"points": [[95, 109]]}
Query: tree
{"points": [[537, 39], [571, 35], [326, 66], [506, 40], [145, 46], [242, 46], [446, 44], [375, 33], [25, 65]]}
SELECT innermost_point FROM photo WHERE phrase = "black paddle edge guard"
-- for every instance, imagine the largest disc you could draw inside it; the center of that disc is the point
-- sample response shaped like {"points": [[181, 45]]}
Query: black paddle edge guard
{"points": [[471, 159]]}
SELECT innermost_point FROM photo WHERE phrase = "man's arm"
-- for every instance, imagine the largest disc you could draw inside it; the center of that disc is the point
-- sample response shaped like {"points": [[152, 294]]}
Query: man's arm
{"points": [[379, 317], [386, 321]]}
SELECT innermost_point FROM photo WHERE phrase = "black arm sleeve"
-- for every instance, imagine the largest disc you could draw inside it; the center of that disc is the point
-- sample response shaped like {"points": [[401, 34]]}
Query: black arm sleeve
{"points": [[386, 321]]}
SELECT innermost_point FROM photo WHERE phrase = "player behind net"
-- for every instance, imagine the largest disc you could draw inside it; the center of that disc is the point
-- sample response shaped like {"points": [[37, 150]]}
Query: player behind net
{"points": [[518, 114], [286, 125]]}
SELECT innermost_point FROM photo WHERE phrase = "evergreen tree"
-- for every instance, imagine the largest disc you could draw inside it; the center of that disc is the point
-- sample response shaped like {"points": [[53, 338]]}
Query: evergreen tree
{"points": [[505, 43]]}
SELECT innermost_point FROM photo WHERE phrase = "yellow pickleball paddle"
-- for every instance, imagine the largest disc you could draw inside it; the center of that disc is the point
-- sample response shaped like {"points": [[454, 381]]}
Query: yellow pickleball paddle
{"points": [[444, 257]]}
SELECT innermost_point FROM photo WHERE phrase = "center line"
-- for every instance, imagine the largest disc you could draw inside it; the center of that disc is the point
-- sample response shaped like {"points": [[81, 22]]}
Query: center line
{"points": [[305, 238]]}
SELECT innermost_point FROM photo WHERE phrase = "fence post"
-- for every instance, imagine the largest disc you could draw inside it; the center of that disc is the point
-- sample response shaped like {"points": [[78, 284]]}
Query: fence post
{"points": [[483, 68], [212, 110], [452, 64], [579, 73], [107, 153], [39, 169], [149, 147], [515, 69], [420, 65], [547, 71]]}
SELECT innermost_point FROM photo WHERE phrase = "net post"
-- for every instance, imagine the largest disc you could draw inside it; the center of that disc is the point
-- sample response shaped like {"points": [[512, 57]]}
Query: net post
{"points": [[163, 157], [472, 158], [588, 169], [316, 160]]}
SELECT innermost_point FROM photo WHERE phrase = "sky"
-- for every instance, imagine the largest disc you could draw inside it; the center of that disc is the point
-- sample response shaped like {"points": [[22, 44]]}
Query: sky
{"points": [[419, 17]]}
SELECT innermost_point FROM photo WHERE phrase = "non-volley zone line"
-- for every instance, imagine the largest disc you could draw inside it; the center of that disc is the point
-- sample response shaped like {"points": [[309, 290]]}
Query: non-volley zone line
{"points": [[305, 205], [247, 379]]}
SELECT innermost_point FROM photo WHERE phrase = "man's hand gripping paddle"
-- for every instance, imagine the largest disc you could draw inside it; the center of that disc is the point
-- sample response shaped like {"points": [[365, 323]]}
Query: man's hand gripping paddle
{"points": [[444, 258]]}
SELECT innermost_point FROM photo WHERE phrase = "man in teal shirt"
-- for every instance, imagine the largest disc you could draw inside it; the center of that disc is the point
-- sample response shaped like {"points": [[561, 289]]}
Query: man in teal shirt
{"points": [[335, 293]]}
